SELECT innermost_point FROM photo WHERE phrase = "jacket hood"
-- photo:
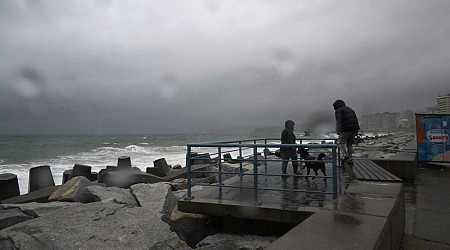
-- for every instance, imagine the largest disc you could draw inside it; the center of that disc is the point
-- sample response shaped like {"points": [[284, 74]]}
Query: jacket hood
{"points": [[289, 124], [338, 104]]}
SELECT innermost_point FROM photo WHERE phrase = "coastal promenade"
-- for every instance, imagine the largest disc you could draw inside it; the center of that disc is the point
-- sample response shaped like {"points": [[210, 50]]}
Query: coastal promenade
{"points": [[427, 203], [426, 212], [281, 198], [428, 209], [425, 195], [366, 215]]}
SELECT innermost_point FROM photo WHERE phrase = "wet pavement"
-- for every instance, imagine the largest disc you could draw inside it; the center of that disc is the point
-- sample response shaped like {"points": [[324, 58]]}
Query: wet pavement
{"points": [[427, 209], [289, 190], [427, 200], [284, 196]]}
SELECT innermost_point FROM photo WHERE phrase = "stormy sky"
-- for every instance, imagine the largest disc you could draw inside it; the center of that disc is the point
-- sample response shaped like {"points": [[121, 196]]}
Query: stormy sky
{"points": [[185, 66]]}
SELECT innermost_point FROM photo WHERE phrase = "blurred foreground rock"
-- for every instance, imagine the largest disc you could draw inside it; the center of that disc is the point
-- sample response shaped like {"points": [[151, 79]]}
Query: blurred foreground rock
{"points": [[144, 216], [106, 224]]}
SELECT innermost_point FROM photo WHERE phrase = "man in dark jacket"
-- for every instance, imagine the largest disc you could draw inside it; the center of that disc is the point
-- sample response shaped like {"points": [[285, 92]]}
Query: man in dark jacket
{"points": [[347, 127], [288, 137]]}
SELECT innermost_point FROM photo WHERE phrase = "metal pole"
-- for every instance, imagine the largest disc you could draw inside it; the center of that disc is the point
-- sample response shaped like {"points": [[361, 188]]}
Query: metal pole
{"points": [[265, 156], [240, 160], [339, 166], [219, 151], [335, 181], [255, 175], [188, 165]]}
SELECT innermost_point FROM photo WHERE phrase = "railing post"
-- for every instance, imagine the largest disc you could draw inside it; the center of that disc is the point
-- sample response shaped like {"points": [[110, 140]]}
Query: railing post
{"points": [[188, 174], [219, 152], [265, 156], [255, 175], [335, 181], [240, 159], [339, 163]]}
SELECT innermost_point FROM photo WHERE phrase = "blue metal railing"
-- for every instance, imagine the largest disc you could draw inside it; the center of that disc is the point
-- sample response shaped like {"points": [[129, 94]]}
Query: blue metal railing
{"points": [[250, 152]]}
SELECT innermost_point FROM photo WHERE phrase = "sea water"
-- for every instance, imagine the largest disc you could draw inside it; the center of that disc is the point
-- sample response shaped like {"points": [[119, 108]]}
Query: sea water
{"points": [[19, 153]]}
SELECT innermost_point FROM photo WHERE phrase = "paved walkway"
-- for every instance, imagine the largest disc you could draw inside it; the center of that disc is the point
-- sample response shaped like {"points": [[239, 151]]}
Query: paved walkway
{"points": [[280, 198], [428, 209]]}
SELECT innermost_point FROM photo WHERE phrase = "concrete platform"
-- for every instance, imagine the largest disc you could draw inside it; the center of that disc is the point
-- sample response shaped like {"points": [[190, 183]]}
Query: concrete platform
{"points": [[371, 215], [430, 211], [294, 199], [368, 215], [336, 230]]}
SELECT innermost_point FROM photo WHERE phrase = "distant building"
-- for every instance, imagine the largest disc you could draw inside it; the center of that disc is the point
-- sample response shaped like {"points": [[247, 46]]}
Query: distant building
{"points": [[443, 104], [389, 122], [404, 120], [407, 120], [430, 110]]}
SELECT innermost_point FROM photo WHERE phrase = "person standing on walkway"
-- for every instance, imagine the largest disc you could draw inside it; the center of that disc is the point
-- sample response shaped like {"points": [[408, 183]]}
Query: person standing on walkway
{"points": [[347, 127], [287, 153]]}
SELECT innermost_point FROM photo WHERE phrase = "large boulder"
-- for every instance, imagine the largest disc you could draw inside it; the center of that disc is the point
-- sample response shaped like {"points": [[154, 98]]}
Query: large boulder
{"points": [[101, 225], [98, 193], [158, 197], [37, 209], [72, 190], [98, 225], [9, 217], [191, 227], [40, 195], [178, 184]]}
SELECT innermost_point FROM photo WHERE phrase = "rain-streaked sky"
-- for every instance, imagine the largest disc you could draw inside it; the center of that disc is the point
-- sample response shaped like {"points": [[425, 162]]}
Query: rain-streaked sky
{"points": [[185, 66]]}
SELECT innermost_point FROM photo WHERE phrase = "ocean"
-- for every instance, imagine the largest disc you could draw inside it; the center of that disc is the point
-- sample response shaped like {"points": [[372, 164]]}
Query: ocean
{"points": [[19, 153]]}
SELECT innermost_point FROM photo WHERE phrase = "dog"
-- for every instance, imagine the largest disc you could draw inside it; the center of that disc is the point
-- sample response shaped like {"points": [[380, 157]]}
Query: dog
{"points": [[313, 162]]}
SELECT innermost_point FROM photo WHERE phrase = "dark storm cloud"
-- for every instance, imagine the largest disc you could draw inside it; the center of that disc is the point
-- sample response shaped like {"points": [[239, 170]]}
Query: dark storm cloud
{"points": [[193, 66]]}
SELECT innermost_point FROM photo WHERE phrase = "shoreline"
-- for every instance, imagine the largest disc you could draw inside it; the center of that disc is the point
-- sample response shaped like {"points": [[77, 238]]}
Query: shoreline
{"points": [[378, 146], [77, 212]]}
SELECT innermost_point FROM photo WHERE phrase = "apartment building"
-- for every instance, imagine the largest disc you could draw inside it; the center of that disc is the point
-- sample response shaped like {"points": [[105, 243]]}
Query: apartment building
{"points": [[404, 120], [443, 104], [389, 122]]}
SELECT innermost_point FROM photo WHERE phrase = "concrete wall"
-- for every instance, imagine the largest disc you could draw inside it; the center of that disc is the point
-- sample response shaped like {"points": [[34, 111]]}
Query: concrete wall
{"points": [[370, 215]]}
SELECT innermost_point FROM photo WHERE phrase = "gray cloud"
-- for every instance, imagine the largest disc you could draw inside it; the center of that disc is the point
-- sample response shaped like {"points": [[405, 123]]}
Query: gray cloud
{"points": [[194, 66]]}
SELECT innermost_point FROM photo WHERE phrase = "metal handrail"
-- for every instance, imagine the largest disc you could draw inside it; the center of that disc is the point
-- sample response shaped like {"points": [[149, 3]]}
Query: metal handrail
{"points": [[254, 146]]}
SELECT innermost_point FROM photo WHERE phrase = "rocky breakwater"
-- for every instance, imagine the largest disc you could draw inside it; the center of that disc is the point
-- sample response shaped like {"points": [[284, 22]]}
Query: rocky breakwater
{"points": [[88, 216], [382, 147], [83, 214]]}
